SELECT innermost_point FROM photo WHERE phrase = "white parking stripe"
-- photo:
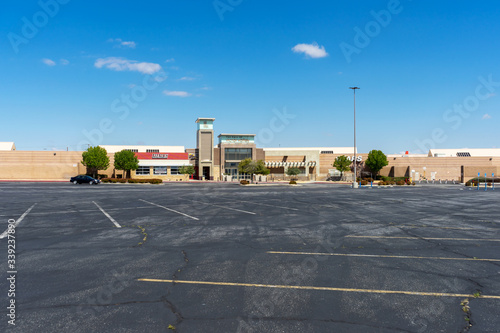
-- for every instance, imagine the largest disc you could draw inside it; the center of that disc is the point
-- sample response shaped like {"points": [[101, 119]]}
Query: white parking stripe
{"points": [[238, 210], [262, 204], [107, 215], [18, 221], [169, 209]]}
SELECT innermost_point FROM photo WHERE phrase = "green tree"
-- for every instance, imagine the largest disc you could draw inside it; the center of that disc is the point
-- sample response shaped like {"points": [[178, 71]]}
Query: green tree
{"points": [[186, 170], [292, 172], [376, 161], [95, 159], [126, 160], [252, 167], [342, 164]]}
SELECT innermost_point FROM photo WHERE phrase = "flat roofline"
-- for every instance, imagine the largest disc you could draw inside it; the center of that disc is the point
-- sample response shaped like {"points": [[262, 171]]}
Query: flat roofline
{"points": [[199, 119], [309, 148], [236, 134]]}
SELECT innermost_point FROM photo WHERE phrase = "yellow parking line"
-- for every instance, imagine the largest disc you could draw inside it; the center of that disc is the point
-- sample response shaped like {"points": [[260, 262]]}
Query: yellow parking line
{"points": [[370, 291], [377, 256], [429, 238]]}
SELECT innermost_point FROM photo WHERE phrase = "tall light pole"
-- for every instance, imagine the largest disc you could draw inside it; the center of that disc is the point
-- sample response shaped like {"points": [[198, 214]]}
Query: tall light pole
{"points": [[355, 183]]}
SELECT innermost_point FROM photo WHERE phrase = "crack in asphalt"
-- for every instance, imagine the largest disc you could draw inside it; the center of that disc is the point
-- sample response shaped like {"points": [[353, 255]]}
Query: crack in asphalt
{"points": [[168, 303], [466, 309]]}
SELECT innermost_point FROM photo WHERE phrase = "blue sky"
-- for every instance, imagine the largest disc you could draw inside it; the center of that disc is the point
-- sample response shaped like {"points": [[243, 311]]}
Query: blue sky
{"points": [[114, 72]]}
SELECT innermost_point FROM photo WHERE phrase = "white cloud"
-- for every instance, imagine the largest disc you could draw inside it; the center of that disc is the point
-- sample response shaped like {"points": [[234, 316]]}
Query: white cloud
{"points": [[176, 93], [486, 116], [312, 50], [119, 43], [187, 78], [206, 88], [121, 64], [64, 62], [48, 62], [170, 60]]}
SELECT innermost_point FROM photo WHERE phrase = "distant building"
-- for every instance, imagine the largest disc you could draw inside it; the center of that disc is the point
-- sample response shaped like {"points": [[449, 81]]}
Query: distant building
{"points": [[7, 146], [219, 161]]}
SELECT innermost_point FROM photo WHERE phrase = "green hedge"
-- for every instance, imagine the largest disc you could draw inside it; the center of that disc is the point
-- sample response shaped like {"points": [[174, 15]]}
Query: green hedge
{"points": [[132, 181]]}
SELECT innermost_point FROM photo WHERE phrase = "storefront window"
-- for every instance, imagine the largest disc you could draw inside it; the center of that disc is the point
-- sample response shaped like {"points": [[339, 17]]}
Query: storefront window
{"points": [[237, 154], [174, 170], [160, 170], [142, 170]]}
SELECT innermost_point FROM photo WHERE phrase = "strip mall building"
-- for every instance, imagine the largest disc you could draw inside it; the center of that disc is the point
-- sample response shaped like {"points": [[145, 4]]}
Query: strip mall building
{"points": [[218, 160]]}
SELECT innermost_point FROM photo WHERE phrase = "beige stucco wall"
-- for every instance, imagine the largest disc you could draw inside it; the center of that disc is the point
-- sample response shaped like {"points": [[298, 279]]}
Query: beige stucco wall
{"points": [[40, 165]]}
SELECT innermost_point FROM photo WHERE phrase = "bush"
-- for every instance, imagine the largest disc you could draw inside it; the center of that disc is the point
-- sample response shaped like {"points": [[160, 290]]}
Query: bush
{"points": [[156, 181], [106, 180], [244, 182], [413, 184], [380, 183], [400, 182], [292, 182], [364, 182]]}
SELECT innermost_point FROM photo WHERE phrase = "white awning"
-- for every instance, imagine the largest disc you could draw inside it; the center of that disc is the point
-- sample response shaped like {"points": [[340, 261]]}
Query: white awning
{"points": [[277, 164]]}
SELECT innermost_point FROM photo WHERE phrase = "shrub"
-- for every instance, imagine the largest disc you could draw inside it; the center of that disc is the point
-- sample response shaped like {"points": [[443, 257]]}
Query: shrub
{"points": [[292, 182], [106, 180], [244, 182], [400, 182], [121, 180], [413, 184], [364, 182], [156, 181], [380, 183]]}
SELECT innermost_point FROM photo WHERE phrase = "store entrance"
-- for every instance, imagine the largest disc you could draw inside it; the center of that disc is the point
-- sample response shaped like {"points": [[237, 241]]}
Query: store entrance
{"points": [[206, 172]]}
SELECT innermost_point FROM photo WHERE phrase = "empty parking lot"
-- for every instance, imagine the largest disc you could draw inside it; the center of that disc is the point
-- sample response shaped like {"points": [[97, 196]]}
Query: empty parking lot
{"points": [[226, 258]]}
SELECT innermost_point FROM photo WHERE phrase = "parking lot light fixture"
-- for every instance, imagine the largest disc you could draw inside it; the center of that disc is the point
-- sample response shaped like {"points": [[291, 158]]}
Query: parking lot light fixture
{"points": [[354, 184]]}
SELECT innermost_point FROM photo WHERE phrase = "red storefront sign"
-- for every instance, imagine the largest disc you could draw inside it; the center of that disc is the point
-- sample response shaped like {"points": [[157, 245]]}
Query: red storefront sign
{"points": [[162, 156]]}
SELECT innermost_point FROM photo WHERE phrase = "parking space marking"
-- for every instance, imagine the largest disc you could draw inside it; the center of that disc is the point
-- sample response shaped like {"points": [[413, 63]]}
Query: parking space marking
{"points": [[18, 221], [169, 209], [238, 210], [262, 204], [368, 291], [83, 211], [428, 238], [107, 215], [377, 256]]}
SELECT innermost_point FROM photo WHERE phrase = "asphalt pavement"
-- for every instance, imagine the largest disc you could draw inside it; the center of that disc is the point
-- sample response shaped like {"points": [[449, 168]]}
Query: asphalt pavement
{"points": [[226, 258]]}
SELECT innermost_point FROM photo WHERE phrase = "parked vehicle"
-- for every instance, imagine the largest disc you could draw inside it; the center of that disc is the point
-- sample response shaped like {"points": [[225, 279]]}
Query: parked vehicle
{"points": [[80, 179]]}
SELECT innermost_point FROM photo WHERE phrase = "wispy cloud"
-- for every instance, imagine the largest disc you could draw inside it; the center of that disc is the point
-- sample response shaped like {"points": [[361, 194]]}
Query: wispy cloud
{"points": [[48, 62], [122, 64], [311, 50], [118, 42], [176, 93], [187, 78], [64, 62], [170, 60], [486, 116]]}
